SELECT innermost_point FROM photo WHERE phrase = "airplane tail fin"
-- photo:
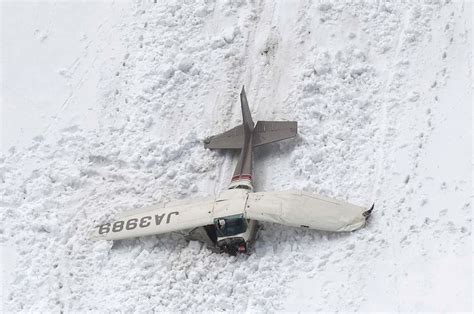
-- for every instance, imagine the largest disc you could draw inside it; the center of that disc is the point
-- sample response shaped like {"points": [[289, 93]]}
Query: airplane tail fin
{"points": [[264, 132], [246, 115]]}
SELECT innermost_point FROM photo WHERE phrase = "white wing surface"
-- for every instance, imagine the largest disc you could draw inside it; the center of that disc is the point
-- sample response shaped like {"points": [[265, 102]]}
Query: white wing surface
{"points": [[157, 219], [301, 209]]}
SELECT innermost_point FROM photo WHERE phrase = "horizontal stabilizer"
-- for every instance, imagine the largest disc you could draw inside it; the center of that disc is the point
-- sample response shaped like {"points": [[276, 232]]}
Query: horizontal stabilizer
{"points": [[232, 139], [272, 131], [301, 209]]}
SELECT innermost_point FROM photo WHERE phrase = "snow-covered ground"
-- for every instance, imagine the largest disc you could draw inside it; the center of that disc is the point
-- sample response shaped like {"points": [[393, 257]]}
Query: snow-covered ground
{"points": [[107, 104]]}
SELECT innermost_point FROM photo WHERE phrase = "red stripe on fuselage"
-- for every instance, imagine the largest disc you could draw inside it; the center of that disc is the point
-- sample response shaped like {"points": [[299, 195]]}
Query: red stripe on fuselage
{"points": [[242, 176]]}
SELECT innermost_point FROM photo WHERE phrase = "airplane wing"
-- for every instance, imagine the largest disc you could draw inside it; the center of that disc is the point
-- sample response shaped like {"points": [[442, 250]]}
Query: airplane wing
{"points": [[157, 219], [273, 131], [301, 209]]}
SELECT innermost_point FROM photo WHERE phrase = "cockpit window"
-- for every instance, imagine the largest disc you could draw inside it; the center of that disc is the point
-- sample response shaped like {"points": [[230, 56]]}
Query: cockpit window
{"points": [[231, 225]]}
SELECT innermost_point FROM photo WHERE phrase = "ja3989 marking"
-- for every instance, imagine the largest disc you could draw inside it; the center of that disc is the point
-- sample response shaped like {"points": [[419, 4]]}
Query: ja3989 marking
{"points": [[133, 223]]}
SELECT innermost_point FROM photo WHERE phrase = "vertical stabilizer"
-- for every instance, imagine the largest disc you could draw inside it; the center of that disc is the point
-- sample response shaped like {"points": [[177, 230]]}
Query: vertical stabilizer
{"points": [[246, 115]]}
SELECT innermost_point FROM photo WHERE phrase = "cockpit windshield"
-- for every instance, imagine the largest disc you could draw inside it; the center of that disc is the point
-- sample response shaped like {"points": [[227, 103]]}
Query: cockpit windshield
{"points": [[231, 225]]}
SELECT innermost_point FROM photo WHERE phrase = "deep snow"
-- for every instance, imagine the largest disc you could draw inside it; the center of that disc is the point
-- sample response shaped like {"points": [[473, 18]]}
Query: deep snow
{"points": [[107, 104]]}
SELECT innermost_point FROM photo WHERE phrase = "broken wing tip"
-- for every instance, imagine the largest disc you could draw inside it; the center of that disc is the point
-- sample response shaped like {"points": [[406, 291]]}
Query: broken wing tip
{"points": [[368, 212]]}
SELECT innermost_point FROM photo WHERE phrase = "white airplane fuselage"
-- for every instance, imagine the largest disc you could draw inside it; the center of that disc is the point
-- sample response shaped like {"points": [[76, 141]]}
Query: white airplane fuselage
{"points": [[235, 233]]}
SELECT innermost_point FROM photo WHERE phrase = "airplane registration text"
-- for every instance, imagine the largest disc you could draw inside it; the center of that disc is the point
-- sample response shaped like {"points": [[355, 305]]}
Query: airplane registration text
{"points": [[133, 223]]}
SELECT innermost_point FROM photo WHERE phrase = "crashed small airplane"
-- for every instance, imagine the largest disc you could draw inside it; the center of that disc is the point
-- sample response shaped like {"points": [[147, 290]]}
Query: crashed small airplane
{"points": [[228, 222]]}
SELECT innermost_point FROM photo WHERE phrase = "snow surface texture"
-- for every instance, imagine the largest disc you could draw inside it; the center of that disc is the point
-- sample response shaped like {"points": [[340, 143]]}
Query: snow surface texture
{"points": [[382, 93]]}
